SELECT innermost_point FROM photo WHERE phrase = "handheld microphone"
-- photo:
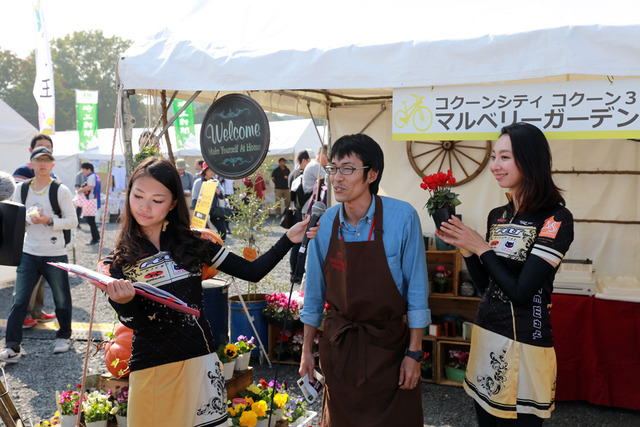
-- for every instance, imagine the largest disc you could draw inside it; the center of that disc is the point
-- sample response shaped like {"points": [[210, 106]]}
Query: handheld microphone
{"points": [[316, 212]]}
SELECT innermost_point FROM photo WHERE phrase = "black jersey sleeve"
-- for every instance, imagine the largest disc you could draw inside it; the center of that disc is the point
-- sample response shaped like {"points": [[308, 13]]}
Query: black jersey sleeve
{"points": [[252, 271]]}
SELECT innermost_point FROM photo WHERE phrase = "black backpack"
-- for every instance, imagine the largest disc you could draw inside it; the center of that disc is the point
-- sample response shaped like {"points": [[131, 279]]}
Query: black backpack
{"points": [[53, 199]]}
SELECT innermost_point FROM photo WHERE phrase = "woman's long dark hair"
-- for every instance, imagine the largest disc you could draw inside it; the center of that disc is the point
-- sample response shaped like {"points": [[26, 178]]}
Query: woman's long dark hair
{"points": [[184, 244], [533, 157]]}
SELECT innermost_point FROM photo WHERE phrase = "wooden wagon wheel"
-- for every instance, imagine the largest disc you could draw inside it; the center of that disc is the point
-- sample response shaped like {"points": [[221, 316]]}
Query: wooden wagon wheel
{"points": [[465, 158]]}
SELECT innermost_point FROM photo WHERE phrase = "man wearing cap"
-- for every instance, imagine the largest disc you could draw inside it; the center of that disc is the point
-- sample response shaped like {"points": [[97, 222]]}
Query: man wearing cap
{"points": [[186, 178], [43, 242], [36, 304]]}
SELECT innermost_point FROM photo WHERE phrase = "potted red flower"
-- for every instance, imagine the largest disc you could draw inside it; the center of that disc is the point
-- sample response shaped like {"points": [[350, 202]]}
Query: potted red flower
{"points": [[442, 201]]}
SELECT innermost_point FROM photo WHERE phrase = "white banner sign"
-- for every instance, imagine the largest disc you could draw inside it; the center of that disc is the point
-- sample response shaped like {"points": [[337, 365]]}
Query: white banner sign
{"points": [[588, 109], [43, 90]]}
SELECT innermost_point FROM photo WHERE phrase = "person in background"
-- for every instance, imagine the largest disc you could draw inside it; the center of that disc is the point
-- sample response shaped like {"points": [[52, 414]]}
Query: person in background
{"points": [[43, 243], [511, 373], [313, 175], [81, 180], [173, 351], [259, 187], [91, 191], [298, 197], [149, 141], [228, 190], [186, 178], [205, 174], [280, 178], [36, 303], [198, 166], [368, 263]]}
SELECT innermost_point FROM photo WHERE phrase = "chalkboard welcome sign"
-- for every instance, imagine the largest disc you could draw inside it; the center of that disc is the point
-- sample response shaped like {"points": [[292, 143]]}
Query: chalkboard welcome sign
{"points": [[234, 137]]}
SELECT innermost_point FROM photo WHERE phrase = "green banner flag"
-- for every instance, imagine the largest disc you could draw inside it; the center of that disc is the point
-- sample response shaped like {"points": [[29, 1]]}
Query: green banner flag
{"points": [[87, 112], [184, 125]]}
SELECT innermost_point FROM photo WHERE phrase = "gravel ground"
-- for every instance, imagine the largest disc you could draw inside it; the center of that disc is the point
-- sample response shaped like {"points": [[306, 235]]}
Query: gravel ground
{"points": [[33, 381]]}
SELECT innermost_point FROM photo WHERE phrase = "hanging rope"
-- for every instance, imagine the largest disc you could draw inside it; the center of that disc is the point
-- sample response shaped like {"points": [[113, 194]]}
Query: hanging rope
{"points": [[102, 233]]}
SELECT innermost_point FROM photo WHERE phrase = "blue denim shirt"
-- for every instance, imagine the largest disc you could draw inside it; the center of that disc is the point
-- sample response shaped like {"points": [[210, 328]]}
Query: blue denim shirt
{"points": [[403, 245]]}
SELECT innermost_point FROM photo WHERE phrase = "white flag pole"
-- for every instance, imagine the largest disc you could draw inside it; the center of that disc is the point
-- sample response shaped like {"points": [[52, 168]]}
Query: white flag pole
{"points": [[43, 88]]}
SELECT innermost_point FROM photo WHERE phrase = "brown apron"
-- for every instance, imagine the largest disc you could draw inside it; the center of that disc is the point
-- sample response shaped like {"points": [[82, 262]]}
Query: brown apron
{"points": [[364, 337]]}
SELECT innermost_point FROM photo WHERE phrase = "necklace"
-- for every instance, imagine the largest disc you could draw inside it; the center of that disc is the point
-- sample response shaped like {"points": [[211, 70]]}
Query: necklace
{"points": [[42, 191]]}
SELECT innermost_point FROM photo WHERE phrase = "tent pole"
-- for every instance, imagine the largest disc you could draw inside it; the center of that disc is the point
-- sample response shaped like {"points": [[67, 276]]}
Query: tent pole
{"points": [[165, 107], [127, 131]]}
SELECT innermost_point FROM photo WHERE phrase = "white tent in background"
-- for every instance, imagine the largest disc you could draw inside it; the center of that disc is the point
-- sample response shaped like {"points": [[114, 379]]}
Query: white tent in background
{"points": [[15, 136]]}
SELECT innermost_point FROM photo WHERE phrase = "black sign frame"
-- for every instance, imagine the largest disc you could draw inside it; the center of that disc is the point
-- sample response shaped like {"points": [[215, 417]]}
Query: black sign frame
{"points": [[235, 136]]}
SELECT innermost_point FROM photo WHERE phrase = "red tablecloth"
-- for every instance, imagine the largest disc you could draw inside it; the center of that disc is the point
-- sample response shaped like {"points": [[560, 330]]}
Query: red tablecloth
{"points": [[597, 344]]}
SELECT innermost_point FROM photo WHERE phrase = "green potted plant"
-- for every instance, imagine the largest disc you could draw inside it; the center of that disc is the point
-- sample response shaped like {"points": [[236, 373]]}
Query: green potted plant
{"points": [[442, 201], [69, 405], [97, 408], [252, 227], [245, 345], [120, 402]]}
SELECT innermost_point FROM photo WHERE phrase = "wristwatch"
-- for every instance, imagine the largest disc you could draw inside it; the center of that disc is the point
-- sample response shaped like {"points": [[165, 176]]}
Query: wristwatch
{"points": [[415, 355], [50, 223]]}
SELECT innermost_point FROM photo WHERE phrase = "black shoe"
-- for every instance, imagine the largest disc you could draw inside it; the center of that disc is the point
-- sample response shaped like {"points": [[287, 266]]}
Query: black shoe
{"points": [[93, 242]]}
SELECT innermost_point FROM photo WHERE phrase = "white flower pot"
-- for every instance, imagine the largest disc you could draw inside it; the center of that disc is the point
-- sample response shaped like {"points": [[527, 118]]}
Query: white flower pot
{"points": [[277, 416], [68, 420], [102, 423], [242, 362], [228, 369], [263, 423], [122, 420]]}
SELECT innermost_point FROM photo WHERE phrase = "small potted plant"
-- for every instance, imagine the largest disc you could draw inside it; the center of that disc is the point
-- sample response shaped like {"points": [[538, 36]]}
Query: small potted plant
{"points": [[227, 353], [69, 405], [97, 408], [426, 367], [441, 280], [245, 345], [456, 365], [276, 309], [442, 201], [120, 402], [296, 346]]}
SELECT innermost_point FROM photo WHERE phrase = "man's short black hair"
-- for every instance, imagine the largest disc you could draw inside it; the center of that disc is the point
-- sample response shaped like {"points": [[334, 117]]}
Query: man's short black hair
{"points": [[281, 159], [366, 149], [40, 136], [87, 165]]}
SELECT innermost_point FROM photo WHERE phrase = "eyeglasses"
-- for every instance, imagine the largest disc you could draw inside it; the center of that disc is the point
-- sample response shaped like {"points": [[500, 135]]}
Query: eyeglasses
{"points": [[344, 170], [43, 159]]}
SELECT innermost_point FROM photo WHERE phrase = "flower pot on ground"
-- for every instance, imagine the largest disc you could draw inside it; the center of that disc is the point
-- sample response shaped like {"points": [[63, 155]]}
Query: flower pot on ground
{"points": [[122, 420], [97, 407], [245, 345], [101, 423], [68, 420]]}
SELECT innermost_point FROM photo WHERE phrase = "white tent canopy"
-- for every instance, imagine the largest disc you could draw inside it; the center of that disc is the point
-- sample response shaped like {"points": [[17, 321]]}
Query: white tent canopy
{"points": [[366, 48], [15, 136], [341, 60]]}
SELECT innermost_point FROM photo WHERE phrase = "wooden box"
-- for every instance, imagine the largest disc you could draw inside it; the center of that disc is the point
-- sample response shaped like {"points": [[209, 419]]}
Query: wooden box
{"points": [[240, 381], [442, 356], [452, 261]]}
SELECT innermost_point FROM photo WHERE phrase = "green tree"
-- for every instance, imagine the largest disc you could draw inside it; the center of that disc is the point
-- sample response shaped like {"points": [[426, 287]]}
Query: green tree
{"points": [[84, 61]]}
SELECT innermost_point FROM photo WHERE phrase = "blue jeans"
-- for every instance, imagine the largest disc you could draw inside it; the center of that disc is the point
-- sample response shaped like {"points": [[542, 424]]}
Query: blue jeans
{"points": [[29, 271]]}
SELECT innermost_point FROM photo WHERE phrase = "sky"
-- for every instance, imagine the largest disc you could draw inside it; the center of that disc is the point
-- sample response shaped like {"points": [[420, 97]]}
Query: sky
{"points": [[128, 19]]}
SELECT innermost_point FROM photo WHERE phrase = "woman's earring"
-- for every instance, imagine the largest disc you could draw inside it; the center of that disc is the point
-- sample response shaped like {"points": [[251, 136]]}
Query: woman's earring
{"points": [[164, 225]]}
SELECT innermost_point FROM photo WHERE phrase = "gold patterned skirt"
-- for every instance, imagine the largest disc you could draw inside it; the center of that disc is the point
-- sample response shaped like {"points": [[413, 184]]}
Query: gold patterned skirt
{"points": [[187, 393], [506, 377]]}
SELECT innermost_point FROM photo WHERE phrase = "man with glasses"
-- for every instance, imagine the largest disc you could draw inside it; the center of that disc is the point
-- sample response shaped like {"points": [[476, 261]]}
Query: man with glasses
{"points": [[43, 243], [368, 263]]}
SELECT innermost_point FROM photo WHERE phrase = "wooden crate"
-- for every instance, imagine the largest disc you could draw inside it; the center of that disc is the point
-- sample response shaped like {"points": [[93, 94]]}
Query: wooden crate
{"points": [[240, 381], [452, 261], [442, 355], [274, 332]]}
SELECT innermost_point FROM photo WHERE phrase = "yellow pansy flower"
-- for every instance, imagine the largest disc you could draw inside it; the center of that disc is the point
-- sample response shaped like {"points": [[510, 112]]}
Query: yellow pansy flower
{"points": [[281, 399], [248, 419], [260, 408]]}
